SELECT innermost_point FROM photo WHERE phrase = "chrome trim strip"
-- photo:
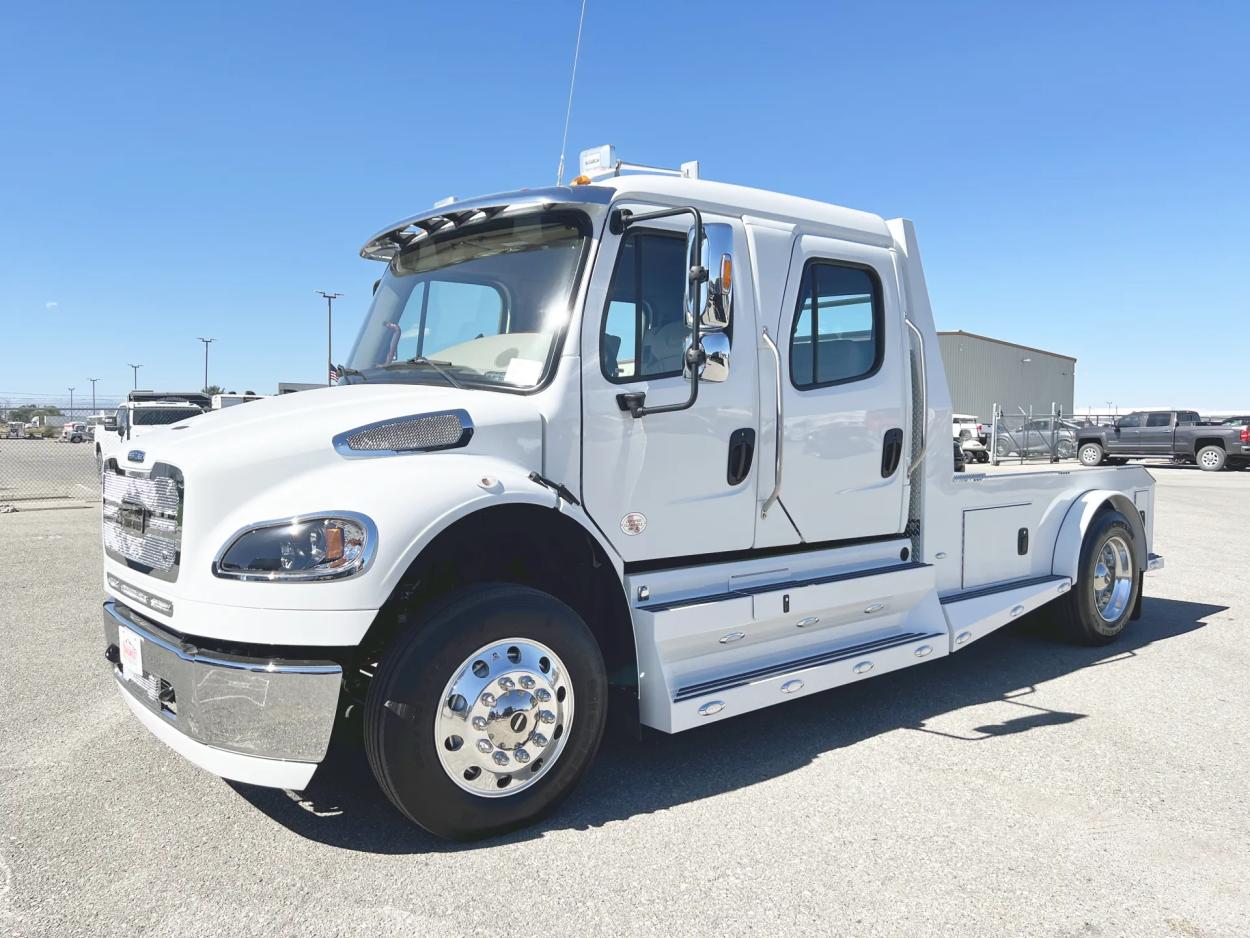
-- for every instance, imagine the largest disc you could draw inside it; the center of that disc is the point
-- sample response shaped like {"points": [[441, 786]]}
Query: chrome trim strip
{"points": [[387, 243], [371, 549], [344, 448]]}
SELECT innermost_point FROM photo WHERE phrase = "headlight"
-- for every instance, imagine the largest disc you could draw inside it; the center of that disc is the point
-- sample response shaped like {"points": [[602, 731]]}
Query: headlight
{"points": [[304, 548]]}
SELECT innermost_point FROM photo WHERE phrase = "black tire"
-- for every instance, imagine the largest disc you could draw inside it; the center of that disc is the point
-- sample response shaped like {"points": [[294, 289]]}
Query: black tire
{"points": [[402, 749], [1077, 611], [1090, 454], [1211, 458]]}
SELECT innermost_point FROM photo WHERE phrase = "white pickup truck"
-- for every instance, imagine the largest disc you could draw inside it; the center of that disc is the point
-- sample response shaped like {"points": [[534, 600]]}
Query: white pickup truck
{"points": [[647, 439]]}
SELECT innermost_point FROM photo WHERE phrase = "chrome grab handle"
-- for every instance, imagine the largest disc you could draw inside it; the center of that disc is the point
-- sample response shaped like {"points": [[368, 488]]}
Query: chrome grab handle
{"points": [[924, 401], [776, 492]]}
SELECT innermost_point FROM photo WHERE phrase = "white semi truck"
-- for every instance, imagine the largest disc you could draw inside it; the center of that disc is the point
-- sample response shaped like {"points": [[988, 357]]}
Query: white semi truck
{"points": [[651, 440]]}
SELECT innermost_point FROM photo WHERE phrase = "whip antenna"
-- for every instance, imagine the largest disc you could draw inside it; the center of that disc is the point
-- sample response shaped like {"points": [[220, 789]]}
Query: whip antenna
{"points": [[577, 51]]}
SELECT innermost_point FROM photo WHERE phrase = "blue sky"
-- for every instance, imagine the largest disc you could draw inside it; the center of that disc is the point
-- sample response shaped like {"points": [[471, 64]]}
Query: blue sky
{"points": [[1078, 172]]}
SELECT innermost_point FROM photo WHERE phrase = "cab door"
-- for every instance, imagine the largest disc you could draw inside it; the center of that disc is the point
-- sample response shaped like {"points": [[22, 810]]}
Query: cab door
{"points": [[668, 485], [1125, 437], [1156, 435], [845, 392]]}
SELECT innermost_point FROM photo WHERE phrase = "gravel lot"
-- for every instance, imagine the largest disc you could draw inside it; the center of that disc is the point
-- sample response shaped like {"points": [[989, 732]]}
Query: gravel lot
{"points": [[1022, 787], [47, 469]]}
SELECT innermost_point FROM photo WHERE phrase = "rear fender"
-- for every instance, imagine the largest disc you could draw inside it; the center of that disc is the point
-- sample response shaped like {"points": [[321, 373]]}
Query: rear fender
{"points": [[1066, 560]]}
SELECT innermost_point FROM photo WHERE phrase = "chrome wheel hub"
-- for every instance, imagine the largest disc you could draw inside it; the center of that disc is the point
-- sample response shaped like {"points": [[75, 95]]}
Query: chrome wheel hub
{"points": [[504, 717], [1112, 582]]}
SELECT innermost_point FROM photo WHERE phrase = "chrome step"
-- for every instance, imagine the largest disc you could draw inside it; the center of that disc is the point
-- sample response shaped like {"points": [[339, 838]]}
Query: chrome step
{"points": [[729, 682]]}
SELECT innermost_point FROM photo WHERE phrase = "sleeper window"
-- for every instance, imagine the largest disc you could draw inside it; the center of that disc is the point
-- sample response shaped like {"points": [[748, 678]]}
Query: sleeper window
{"points": [[644, 323], [837, 331]]}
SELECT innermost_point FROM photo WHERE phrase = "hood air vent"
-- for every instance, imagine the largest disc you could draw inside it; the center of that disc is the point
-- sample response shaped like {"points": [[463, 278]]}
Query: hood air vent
{"points": [[417, 433]]}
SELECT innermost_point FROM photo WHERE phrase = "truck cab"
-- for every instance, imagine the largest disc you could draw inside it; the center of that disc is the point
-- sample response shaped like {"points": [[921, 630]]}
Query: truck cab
{"points": [[648, 443], [137, 418]]}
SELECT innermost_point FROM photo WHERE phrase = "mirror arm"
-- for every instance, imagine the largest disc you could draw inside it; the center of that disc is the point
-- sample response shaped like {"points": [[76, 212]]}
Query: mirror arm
{"points": [[618, 221]]}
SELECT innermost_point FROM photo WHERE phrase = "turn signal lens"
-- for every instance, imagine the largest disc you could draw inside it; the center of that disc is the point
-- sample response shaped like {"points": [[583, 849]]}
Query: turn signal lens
{"points": [[726, 272], [582, 181]]}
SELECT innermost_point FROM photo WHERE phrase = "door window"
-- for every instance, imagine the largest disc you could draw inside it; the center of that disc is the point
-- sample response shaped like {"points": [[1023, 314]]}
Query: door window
{"points": [[1130, 422], [837, 334], [1159, 420], [644, 323]]}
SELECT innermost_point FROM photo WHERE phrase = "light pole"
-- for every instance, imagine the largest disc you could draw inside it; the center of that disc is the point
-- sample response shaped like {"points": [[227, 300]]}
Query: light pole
{"points": [[71, 404], [206, 343], [136, 371], [330, 298], [93, 381]]}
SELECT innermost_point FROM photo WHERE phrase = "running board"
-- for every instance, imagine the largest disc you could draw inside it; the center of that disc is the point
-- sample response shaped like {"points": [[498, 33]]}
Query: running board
{"points": [[976, 613], [803, 664]]}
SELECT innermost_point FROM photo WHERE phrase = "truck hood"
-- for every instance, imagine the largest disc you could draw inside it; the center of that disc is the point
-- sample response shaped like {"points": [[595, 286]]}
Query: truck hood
{"points": [[269, 440]]}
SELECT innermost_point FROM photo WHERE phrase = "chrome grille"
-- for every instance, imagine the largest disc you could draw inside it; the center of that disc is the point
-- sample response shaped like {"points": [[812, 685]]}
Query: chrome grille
{"points": [[142, 523]]}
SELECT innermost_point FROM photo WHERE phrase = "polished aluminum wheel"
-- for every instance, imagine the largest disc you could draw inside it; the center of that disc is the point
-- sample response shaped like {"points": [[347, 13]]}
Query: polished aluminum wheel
{"points": [[504, 717], [1209, 459], [1112, 582]]}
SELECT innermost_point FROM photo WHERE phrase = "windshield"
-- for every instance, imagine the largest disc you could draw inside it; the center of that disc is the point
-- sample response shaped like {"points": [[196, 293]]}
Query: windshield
{"points": [[156, 416], [484, 308]]}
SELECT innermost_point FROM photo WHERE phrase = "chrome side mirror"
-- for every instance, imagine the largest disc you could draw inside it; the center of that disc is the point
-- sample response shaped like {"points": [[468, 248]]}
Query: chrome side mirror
{"points": [[714, 365], [714, 296]]}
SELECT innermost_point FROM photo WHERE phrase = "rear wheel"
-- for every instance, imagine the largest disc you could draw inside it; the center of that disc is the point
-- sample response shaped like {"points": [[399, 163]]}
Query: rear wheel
{"points": [[1101, 601], [1090, 454], [1211, 458], [483, 717]]}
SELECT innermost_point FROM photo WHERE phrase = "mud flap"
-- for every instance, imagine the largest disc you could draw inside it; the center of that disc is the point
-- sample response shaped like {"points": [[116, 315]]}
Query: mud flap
{"points": [[1141, 589]]}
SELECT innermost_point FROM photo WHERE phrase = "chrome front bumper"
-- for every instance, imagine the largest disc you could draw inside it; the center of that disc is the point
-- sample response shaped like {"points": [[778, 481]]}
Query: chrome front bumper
{"points": [[258, 720]]}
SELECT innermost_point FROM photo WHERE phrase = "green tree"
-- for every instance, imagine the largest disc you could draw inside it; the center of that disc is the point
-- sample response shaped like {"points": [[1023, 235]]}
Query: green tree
{"points": [[213, 389]]}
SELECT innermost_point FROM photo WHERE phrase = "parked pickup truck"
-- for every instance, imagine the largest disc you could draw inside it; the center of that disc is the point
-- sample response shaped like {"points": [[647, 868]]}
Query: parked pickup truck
{"points": [[1178, 434], [646, 441]]}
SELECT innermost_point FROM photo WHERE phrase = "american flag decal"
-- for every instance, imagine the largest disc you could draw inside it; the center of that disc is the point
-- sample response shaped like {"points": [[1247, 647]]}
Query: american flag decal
{"points": [[334, 373]]}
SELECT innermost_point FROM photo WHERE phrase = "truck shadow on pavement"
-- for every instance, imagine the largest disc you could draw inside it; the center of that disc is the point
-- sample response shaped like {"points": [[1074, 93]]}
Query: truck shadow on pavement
{"points": [[343, 806]]}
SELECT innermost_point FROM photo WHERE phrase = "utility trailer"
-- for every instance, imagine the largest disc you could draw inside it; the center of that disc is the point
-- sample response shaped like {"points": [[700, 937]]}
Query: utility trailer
{"points": [[647, 441]]}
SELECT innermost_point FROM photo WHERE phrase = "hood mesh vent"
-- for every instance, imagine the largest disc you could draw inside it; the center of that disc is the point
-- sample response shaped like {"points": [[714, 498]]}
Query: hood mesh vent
{"points": [[419, 433]]}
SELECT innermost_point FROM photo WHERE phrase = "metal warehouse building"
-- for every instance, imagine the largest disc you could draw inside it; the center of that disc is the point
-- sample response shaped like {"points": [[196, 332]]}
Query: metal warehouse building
{"points": [[983, 372]]}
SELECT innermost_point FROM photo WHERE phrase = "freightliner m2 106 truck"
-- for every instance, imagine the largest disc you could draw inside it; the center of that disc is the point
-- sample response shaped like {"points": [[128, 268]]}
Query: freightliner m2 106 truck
{"points": [[647, 441]]}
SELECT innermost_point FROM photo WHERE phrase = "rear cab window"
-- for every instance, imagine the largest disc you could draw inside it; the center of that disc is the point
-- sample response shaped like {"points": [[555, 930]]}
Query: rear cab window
{"points": [[838, 330]]}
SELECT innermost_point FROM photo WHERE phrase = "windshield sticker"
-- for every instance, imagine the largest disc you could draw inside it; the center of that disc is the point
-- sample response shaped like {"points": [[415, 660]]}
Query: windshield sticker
{"points": [[523, 372]]}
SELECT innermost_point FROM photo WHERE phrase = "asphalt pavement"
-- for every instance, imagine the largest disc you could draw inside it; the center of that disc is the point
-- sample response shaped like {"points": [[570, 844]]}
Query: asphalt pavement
{"points": [[1022, 787]]}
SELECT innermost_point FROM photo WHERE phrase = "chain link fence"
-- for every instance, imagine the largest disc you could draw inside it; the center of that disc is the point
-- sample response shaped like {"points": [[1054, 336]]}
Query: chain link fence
{"points": [[35, 469], [1027, 437]]}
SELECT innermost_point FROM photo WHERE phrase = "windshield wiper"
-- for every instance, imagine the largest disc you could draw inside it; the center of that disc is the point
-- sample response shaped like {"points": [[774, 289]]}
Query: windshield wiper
{"points": [[440, 367]]}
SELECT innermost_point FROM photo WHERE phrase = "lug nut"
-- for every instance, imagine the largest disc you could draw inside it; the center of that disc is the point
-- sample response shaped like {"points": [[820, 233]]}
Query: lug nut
{"points": [[483, 745], [521, 755], [543, 694], [488, 699], [501, 758], [479, 723], [546, 716], [539, 740], [506, 683], [527, 682]]}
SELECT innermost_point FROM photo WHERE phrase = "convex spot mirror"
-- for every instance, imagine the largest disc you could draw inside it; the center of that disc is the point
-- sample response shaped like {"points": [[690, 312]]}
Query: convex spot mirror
{"points": [[714, 366], [712, 297]]}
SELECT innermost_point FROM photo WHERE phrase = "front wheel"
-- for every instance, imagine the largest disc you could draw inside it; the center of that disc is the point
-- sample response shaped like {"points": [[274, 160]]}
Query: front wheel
{"points": [[486, 714], [1101, 601], [1090, 454], [1211, 458]]}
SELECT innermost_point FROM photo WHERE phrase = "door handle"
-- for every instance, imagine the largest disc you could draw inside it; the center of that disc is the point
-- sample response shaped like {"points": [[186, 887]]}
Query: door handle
{"points": [[741, 452], [891, 451]]}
